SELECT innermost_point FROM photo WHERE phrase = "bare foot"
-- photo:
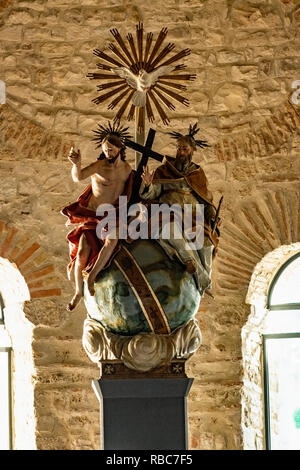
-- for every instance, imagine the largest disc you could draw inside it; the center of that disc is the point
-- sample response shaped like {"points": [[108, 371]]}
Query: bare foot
{"points": [[74, 302], [190, 267], [90, 284]]}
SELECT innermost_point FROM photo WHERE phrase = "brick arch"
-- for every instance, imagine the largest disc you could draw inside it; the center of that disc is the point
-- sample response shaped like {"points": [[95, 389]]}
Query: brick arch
{"points": [[259, 224], [265, 271], [31, 259], [264, 139], [20, 136], [5, 3]]}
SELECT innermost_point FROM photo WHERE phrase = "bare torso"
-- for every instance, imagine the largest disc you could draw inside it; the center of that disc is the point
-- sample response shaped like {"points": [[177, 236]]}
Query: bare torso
{"points": [[108, 182]]}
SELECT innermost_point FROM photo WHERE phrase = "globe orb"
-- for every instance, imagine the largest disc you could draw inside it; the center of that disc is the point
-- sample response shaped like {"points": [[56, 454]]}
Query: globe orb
{"points": [[115, 305]]}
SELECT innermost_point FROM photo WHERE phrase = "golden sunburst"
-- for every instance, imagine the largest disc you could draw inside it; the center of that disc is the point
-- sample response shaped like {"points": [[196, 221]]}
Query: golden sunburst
{"points": [[142, 54]]}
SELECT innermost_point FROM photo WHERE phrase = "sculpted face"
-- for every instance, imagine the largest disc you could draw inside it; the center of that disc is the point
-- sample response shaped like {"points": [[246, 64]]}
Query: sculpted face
{"points": [[110, 151], [184, 151]]}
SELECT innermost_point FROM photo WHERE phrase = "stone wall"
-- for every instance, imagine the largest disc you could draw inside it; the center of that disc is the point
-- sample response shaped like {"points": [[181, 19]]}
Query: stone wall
{"points": [[246, 56]]}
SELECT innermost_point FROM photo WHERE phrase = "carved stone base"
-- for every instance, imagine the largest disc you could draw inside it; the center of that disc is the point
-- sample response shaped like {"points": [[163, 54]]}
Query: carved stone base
{"points": [[144, 351]]}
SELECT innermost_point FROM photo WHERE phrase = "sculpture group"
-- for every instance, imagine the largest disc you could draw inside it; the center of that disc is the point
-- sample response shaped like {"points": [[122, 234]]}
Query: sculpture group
{"points": [[95, 254], [142, 290]]}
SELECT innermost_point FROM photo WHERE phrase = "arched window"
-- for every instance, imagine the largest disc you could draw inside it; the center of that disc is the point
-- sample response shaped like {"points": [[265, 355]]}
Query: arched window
{"points": [[281, 346], [5, 388]]}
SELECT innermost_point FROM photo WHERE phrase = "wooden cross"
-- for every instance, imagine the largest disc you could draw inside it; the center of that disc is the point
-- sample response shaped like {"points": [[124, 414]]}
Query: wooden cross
{"points": [[147, 153]]}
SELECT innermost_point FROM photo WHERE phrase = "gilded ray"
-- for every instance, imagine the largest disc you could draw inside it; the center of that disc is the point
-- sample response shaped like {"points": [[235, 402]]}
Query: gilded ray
{"points": [[130, 115], [180, 77], [174, 95], [111, 93], [121, 43], [110, 85], [132, 46], [158, 43], [164, 99], [177, 86], [149, 40], [103, 66], [160, 110], [178, 56], [116, 51], [139, 52], [149, 111], [139, 38], [123, 107], [102, 76], [117, 100], [166, 50], [107, 58]]}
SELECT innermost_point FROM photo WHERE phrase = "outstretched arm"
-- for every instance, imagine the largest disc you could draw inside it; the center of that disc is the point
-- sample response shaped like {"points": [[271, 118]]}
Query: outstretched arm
{"points": [[79, 173]]}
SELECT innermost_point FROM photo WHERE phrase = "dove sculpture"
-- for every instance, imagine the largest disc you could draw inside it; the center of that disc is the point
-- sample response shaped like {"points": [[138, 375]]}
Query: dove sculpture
{"points": [[141, 82]]}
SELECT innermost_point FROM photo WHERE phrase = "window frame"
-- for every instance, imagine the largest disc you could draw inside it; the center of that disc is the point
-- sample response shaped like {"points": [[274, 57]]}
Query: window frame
{"points": [[8, 350], [265, 337], [266, 381], [1, 310], [285, 306]]}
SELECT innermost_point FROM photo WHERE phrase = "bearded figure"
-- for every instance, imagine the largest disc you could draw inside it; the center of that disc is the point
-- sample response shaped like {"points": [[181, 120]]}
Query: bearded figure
{"points": [[179, 182]]}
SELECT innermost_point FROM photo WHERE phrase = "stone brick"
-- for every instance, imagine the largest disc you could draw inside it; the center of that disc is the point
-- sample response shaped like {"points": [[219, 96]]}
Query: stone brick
{"points": [[66, 116], [7, 241], [11, 33], [19, 17], [44, 293], [56, 49], [229, 56], [244, 72], [40, 272], [232, 98]]}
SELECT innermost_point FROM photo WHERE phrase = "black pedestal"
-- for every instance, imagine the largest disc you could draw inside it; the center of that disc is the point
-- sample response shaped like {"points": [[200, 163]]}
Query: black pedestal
{"points": [[143, 414]]}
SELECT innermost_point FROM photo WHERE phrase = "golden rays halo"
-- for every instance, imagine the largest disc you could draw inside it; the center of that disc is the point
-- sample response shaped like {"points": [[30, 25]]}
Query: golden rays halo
{"points": [[138, 54]]}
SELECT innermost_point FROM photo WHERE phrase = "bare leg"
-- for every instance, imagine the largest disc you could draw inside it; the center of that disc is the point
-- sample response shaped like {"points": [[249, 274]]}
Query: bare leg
{"points": [[103, 257], [80, 264]]}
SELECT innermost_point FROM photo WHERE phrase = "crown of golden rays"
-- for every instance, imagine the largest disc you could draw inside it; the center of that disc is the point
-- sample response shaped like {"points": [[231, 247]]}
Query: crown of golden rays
{"points": [[193, 130], [111, 129], [142, 53]]}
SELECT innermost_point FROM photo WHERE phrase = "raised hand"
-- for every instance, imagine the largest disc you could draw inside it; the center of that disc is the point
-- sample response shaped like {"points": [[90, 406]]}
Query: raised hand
{"points": [[74, 157], [147, 176]]}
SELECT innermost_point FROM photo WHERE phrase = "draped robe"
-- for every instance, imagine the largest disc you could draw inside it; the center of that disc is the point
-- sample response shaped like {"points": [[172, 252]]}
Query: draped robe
{"points": [[80, 214], [170, 186]]}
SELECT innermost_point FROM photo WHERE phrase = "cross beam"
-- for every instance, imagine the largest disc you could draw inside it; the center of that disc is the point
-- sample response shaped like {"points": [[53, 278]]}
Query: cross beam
{"points": [[147, 153]]}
